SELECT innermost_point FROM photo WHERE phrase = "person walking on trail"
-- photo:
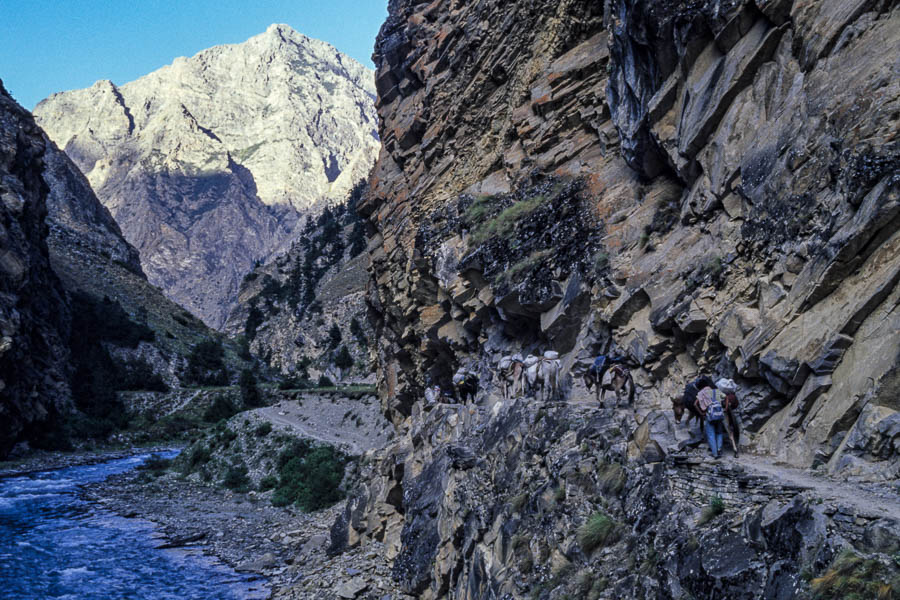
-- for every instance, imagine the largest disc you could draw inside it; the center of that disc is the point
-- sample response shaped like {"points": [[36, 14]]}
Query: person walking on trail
{"points": [[730, 404], [709, 405]]}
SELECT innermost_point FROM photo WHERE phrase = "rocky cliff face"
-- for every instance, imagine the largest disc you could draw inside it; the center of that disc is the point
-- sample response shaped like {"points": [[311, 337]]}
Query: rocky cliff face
{"points": [[702, 186], [733, 210], [34, 315], [307, 307], [207, 163]]}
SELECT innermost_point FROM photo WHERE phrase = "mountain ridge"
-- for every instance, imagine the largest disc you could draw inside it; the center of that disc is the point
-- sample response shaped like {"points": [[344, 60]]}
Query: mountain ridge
{"points": [[208, 164]]}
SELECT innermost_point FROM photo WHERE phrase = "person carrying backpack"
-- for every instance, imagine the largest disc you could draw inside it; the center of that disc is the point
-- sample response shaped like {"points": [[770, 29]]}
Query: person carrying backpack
{"points": [[710, 406]]}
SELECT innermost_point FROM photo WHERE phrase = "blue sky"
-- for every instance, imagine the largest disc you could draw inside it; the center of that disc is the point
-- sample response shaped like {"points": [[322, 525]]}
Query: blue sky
{"points": [[54, 45]]}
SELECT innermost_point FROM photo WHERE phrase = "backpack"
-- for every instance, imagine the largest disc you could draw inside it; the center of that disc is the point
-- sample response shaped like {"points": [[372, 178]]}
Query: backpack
{"points": [[715, 412]]}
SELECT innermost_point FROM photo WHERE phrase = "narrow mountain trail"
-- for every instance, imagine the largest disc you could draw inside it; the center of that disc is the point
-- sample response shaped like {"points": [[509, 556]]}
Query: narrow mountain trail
{"points": [[869, 499], [349, 424], [295, 422]]}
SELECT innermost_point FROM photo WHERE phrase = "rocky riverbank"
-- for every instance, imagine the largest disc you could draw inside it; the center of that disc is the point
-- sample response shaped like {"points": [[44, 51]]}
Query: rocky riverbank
{"points": [[44, 460], [282, 545]]}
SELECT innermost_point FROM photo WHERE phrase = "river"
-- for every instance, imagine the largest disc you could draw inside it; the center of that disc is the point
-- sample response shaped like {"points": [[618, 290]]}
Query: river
{"points": [[53, 544]]}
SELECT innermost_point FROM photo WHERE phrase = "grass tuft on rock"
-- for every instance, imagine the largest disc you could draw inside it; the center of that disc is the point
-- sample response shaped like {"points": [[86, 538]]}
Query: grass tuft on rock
{"points": [[611, 477], [715, 508], [853, 577], [600, 530]]}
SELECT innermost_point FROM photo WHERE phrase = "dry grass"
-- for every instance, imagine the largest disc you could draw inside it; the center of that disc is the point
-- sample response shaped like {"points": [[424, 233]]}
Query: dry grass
{"points": [[715, 508], [852, 577], [611, 477], [503, 224], [600, 530]]}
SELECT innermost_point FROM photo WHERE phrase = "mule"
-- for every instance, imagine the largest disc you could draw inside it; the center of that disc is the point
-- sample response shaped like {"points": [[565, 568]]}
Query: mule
{"points": [[618, 380], [679, 407], [466, 386], [544, 374], [549, 373], [511, 374]]}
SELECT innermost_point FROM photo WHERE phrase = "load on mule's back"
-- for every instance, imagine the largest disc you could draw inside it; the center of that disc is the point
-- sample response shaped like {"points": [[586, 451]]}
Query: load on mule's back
{"points": [[543, 372], [511, 371], [608, 373], [714, 406]]}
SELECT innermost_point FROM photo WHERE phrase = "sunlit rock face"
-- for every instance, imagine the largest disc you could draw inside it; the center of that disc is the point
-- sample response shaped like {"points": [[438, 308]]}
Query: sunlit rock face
{"points": [[700, 186], [208, 163]]}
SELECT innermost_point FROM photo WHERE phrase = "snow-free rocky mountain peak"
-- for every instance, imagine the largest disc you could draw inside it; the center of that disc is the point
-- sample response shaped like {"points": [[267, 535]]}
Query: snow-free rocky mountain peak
{"points": [[208, 163]]}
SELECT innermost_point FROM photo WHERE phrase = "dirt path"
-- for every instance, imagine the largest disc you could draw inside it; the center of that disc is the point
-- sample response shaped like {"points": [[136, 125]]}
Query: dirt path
{"points": [[873, 500], [295, 422], [877, 499], [355, 426]]}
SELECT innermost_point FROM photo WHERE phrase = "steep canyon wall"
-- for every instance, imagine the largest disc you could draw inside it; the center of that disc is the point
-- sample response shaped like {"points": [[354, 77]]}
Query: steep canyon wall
{"points": [[701, 186], [726, 172]]}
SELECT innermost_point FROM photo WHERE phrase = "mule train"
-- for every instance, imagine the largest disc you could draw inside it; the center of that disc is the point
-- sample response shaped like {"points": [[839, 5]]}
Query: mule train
{"points": [[530, 374], [525, 376]]}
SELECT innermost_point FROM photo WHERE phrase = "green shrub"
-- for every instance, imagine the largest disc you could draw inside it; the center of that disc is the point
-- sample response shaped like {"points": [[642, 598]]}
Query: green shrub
{"points": [[715, 508], [250, 395], [156, 464], [198, 457], [263, 429], [325, 382], [357, 332], [220, 409], [137, 374], [269, 482], [206, 364], [342, 358], [334, 336], [310, 479], [236, 478], [255, 318], [599, 530]]}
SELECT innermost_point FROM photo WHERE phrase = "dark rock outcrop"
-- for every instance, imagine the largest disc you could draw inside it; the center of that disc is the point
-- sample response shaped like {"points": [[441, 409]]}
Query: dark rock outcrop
{"points": [[34, 315]]}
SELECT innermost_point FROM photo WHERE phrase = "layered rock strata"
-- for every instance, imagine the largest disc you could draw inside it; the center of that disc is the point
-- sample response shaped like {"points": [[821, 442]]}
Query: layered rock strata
{"points": [[748, 204], [207, 164], [700, 186], [529, 500]]}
